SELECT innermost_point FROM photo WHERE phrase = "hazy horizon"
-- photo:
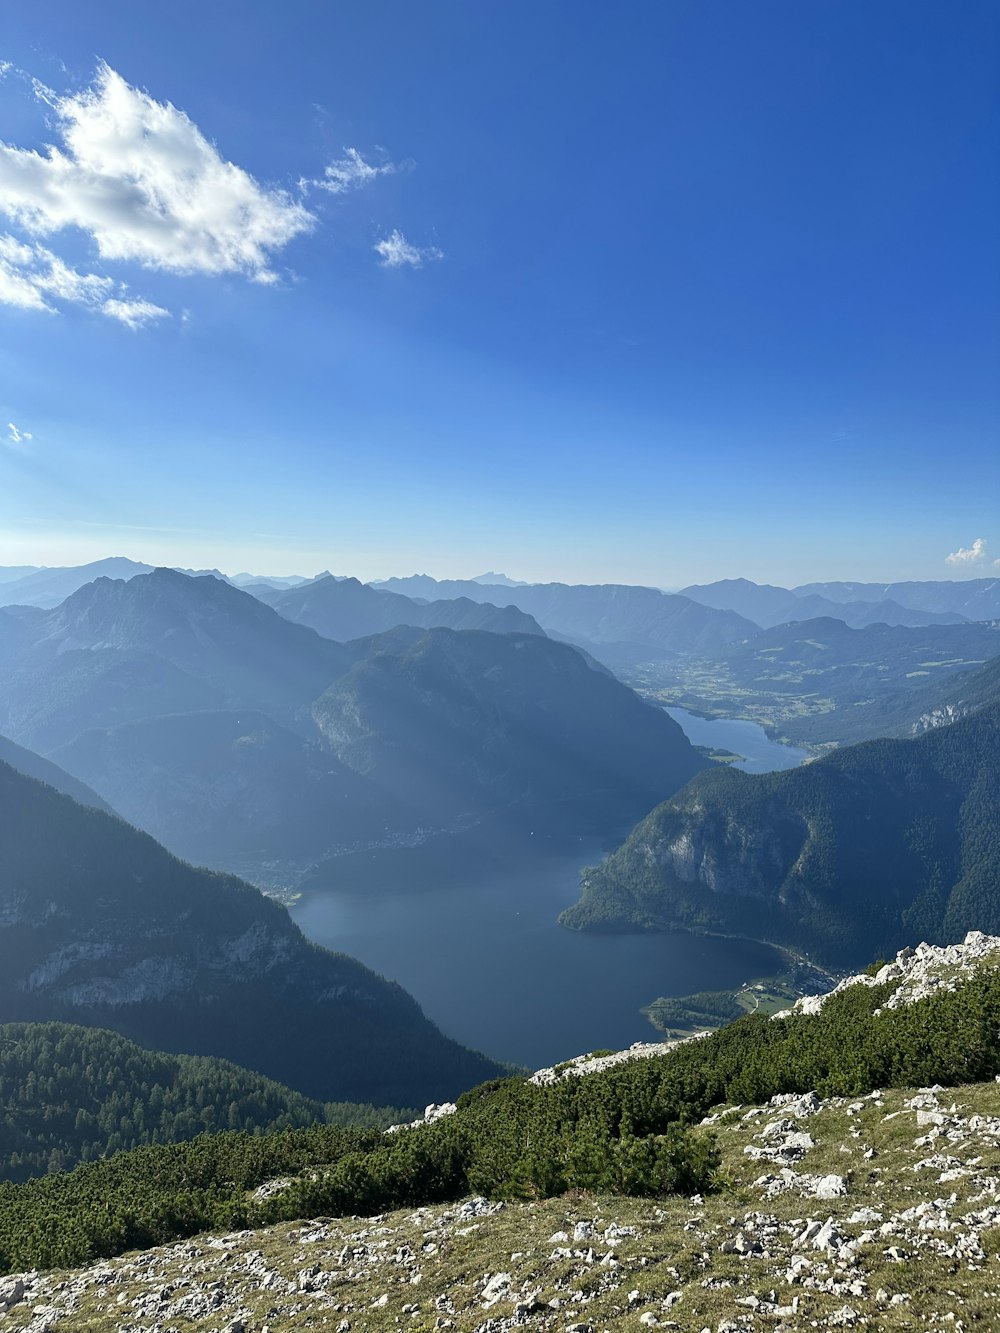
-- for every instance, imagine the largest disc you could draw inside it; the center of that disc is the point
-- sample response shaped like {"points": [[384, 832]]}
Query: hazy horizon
{"points": [[188, 561]]}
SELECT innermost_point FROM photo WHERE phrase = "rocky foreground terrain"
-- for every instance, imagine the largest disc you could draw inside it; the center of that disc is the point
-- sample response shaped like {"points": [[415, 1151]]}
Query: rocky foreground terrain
{"points": [[879, 1212]]}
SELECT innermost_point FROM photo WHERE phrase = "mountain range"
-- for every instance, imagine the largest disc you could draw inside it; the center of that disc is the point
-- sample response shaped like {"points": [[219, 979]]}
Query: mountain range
{"points": [[768, 605], [460, 722], [976, 599], [618, 623], [241, 738], [346, 609]]}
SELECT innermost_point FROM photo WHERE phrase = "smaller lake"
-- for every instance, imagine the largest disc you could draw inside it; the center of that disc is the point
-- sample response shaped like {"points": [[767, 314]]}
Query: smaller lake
{"points": [[760, 753]]}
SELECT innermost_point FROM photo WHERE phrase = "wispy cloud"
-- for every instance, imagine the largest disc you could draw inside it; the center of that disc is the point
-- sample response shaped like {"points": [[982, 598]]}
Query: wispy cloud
{"points": [[396, 251], [17, 436], [351, 171], [969, 555], [34, 278], [134, 314]]}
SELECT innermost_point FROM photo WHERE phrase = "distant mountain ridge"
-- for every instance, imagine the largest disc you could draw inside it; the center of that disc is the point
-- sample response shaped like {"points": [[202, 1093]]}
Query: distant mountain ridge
{"points": [[768, 605], [545, 727], [228, 638], [345, 609], [615, 622], [43, 770], [976, 599], [48, 587], [9, 573]]}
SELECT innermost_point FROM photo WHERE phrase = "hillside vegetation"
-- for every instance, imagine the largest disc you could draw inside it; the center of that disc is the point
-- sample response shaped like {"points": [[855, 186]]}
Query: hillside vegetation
{"points": [[72, 1094], [625, 1130], [855, 853], [871, 1226]]}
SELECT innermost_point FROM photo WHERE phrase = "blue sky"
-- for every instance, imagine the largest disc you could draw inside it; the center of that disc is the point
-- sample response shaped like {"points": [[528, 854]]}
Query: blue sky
{"points": [[651, 293]]}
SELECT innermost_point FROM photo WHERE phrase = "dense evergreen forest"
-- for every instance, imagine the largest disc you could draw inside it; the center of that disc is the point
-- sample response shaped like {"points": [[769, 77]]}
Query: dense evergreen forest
{"points": [[874, 846], [72, 1094], [628, 1129]]}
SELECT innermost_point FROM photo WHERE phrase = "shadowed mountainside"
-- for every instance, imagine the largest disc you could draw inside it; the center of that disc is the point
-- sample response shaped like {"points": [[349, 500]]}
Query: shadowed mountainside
{"points": [[100, 925]]}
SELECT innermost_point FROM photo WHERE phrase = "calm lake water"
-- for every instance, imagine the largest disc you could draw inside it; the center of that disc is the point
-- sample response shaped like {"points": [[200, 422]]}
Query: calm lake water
{"points": [[490, 965], [761, 754]]}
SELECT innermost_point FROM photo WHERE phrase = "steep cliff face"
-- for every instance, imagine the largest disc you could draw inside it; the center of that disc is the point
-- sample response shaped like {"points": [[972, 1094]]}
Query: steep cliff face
{"points": [[724, 855], [99, 925]]}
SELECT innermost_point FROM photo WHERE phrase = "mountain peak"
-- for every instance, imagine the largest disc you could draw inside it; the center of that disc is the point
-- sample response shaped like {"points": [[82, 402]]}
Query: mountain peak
{"points": [[498, 580]]}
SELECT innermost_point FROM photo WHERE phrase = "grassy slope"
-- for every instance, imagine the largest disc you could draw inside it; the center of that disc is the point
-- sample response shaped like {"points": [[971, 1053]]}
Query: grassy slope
{"points": [[418, 1267]]}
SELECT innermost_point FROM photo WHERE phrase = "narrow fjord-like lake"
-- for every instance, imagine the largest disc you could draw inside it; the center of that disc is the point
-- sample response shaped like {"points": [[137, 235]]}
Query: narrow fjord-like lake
{"points": [[492, 967], [490, 964]]}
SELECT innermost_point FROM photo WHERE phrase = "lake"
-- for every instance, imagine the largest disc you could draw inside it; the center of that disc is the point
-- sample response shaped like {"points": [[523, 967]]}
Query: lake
{"points": [[488, 962], [760, 753]]}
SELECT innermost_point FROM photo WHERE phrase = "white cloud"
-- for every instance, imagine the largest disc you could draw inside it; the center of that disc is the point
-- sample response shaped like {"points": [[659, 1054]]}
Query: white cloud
{"points": [[18, 286], [144, 183], [136, 314], [140, 181], [347, 173], [968, 555], [32, 277], [396, 251], [17, 436]]}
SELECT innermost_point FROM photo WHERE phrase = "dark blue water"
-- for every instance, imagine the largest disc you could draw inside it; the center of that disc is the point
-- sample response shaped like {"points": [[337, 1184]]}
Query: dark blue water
{"points": [[760, 753], [491, 966]]}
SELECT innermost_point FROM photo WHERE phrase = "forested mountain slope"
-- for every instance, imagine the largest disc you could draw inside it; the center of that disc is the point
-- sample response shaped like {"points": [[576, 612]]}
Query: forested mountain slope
{"points": [[847, 856], [229, 788], [72, 1094], [601, 1128], [34, 766], [459, 723], [99, 925]]}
